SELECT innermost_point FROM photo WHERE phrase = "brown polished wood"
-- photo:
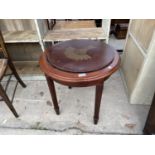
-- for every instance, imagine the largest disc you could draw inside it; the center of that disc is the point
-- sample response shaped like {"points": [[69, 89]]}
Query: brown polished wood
{"points": [[53, 94], [76, 79], [73, 79], [98, 96], [80, 56]]}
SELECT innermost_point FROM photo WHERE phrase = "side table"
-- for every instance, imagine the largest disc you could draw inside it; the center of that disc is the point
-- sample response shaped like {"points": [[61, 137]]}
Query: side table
{"points": [[79, 63]]}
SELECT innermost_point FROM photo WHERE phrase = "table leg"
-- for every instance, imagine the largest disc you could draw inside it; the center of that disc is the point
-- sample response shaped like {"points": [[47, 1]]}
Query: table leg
{"points": [[53, 94], [69, 87], [98, 96]]}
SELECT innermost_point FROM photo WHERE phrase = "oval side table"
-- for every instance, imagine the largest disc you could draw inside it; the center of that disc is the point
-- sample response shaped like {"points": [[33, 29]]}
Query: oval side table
{"points": [[79, 63]]}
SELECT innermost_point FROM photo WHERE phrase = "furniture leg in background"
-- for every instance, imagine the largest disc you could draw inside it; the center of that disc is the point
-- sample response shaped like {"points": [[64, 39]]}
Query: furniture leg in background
{"points": [[150, 122]]}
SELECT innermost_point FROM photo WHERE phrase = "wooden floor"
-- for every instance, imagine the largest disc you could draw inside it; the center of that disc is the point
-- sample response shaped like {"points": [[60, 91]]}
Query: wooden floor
{"points": [[74, 24]]}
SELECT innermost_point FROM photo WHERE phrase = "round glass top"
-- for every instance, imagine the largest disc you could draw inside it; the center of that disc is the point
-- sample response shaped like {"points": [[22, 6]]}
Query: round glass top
{"points": [[80, 56]]}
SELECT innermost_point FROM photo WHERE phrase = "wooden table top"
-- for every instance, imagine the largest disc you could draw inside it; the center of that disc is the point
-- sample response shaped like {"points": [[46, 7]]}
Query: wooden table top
{"points": [[81, 79], [80, 56]]}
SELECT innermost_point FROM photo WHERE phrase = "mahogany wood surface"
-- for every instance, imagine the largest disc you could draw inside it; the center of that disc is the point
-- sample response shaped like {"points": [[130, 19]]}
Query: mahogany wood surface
{"points": [[74, 79], [53, 94], [98, 96], [80, 56]]}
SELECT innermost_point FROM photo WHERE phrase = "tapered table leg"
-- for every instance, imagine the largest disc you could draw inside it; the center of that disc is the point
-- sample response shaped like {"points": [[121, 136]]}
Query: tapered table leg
{"points": [[69, 87], [98, 96], [53, 94]]}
